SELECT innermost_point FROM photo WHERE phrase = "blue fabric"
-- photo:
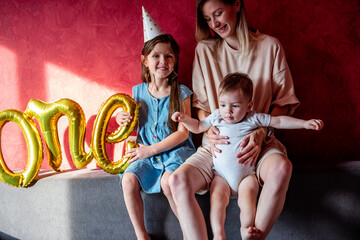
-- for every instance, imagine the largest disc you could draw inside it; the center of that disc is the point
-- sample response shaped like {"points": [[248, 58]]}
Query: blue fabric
{"points": [[152, 128]]}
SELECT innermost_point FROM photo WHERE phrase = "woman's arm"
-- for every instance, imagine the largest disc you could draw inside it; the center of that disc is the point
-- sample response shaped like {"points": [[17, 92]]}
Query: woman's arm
{"points": [[169, 142]]}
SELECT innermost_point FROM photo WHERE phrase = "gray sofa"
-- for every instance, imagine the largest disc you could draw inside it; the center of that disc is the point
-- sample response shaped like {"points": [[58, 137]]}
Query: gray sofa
{"points": [[322, 203]]}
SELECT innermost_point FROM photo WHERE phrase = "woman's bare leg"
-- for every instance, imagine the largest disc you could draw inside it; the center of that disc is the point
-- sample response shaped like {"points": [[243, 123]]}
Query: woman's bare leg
{"points": [[184, 183], [275, 172], [219, 199], [134, 204]]}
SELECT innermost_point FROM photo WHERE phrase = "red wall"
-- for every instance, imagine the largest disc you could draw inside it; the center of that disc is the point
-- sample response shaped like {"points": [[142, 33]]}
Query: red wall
{"points": [[322, 42], [88, 50]]}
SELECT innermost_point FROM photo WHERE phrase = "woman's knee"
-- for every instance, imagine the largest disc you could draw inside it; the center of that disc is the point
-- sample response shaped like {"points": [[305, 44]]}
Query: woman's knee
{"points": [[178, 181], [284, 170], [185, 180], [277, 169]]}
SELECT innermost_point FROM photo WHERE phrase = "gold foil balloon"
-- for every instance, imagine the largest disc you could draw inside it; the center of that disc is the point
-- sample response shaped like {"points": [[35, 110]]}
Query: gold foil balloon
{"points": [[123, 163], [34, 149], [48, 114], [99, 134]]}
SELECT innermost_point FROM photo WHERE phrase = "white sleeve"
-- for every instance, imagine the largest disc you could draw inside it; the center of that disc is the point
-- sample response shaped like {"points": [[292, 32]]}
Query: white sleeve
{"points": [[209, 120]]}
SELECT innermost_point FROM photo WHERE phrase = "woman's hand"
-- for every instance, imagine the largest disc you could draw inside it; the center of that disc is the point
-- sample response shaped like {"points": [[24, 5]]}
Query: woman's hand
{"points": [[141, 152], [123, 118], [251, 147], [215, 138]]}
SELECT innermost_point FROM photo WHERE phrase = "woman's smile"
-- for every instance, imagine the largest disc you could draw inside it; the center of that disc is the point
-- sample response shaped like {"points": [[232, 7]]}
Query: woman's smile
{"points": [[222, 29]]}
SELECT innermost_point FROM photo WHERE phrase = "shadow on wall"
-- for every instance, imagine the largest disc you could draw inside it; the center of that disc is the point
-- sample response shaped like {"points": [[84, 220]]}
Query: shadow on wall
{"points": [[101, 42], [97, 40], [96, 43]]}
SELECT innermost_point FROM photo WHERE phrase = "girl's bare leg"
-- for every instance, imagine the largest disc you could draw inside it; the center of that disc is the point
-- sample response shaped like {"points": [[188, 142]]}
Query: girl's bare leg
{"points": [[219, 199], [167, 191], [275, 172], [134, 204], [184, 183], [247, 196]]}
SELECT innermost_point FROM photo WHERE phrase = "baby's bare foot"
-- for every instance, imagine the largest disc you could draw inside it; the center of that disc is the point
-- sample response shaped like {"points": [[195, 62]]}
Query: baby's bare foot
{"points": [[250, 233]]}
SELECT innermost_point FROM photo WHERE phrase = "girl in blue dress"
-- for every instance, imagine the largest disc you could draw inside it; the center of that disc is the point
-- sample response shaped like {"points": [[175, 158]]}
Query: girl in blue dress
{"points": [[163, 144]]}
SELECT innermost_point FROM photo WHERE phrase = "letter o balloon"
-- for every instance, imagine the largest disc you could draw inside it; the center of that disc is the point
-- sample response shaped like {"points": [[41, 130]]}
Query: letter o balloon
{"points": [[34, 149]]}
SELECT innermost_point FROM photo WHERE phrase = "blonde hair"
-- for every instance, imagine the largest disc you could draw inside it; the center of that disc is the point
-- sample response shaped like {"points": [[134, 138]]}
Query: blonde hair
{"points": [[175, 104], [243, 30]]}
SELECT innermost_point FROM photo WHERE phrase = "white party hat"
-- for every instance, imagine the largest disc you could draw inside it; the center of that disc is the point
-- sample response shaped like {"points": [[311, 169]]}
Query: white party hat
{"points": [[151, 28]]}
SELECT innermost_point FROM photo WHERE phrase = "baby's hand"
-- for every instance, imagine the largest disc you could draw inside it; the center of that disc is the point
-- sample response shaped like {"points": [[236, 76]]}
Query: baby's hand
{"points": [[177, 117], [123, 118], [314, 124]]}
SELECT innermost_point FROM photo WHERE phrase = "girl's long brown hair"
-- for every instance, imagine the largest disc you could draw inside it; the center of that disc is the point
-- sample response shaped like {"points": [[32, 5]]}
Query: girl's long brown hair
{"points": [[175, 104]]}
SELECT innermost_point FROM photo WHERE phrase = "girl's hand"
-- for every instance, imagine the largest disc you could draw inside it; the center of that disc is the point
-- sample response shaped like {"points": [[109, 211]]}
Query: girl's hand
{"points": [[314, 124], [251, 147], [141, 152], [123, 118], [215, 138]]}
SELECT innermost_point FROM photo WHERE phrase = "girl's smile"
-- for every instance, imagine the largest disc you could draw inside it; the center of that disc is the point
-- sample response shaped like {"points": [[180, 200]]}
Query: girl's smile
{"points": [[160, 61], [163, 68]]}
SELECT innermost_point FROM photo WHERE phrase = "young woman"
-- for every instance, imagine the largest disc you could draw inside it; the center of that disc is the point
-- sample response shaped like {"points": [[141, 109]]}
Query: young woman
{"points": [[225, 45]]}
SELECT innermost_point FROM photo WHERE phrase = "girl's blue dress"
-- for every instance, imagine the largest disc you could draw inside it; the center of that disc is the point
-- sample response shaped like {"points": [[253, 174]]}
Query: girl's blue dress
{"points": [[152, 128]]}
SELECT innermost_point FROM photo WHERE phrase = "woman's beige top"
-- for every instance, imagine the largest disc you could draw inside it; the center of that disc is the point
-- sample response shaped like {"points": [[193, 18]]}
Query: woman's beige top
{"points": [[266, 65]]}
